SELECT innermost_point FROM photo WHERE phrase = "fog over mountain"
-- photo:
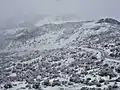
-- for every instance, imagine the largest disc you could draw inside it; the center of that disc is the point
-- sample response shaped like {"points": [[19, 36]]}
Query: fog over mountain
{"points": [[86, 9]]}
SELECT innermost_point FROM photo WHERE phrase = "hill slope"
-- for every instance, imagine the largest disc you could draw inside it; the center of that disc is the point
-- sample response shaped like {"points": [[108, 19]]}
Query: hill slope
{"points": [[68, 55]]}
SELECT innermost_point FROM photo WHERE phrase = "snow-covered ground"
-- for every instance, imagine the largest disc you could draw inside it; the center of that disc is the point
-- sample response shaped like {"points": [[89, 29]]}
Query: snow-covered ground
{"points": [[61, 53]]}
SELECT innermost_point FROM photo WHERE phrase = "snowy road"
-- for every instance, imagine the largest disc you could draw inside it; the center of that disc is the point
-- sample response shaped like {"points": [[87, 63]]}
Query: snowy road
{"points": [[103, 55]]}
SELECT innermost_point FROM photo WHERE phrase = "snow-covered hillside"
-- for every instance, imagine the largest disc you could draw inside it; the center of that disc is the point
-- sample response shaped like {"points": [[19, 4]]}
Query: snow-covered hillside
{"points": [[62, 53]]}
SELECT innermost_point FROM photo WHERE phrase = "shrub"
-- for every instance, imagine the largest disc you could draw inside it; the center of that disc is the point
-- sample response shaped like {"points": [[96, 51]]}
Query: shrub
{"points": [[8, 85], [36, 85], [118, 69], [106, 72], [46, 82], [84, 88], [56, 83]]}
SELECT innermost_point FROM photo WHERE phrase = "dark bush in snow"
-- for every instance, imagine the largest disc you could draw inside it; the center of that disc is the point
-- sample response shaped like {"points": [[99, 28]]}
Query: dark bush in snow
{"points": [[106, 72], [75, 79], [92, 88], [56, 83], [84, 88], [46, 82], [28, 86], [93, 57], [118, 69], [118, 79], [36, 85], [90, 83], [115, 85], [70, 83], [101, 80], [98, 84], [105, 65], [8, 85], [64, 82], [110, 87]]}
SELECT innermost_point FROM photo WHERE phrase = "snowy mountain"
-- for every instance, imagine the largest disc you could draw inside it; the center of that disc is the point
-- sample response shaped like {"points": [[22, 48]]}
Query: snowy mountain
{"points": [[62, 53]]}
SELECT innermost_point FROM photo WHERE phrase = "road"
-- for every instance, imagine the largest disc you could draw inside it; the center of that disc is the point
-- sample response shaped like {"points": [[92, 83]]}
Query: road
{"points": [[104, 56]]}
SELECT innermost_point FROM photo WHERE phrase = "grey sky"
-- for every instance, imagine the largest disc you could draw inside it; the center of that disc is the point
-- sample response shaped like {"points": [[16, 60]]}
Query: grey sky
{"points": [[86, 9]]}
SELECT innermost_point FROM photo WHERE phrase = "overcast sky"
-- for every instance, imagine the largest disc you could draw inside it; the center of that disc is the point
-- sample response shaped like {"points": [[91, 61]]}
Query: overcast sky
{"points": [[86, 9]]}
